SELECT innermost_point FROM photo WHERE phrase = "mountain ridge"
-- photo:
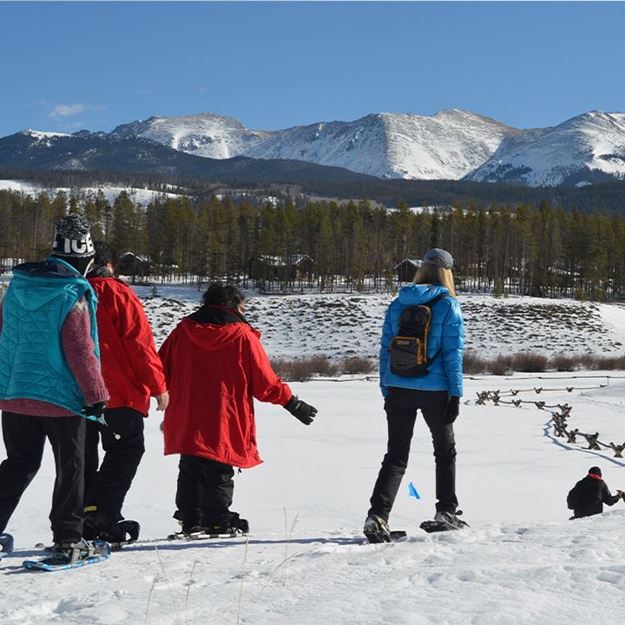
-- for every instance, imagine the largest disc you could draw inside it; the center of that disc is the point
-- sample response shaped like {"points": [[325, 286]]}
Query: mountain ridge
{"points": [[84, 151], [448, 144], [452, 144]]}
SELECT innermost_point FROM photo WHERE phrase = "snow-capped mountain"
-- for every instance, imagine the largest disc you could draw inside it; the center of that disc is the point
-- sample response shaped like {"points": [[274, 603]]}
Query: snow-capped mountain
{"points": [[584, 149], [448, 145], [207, 134]]}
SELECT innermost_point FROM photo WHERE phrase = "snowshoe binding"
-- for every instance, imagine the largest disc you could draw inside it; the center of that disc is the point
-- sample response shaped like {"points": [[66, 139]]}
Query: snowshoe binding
{"points": [[71, 555], [444, 521], [234, 526]]}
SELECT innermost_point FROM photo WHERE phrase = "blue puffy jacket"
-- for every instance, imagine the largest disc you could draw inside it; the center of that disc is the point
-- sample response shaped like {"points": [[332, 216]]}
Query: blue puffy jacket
{"points": [[445, 341]]}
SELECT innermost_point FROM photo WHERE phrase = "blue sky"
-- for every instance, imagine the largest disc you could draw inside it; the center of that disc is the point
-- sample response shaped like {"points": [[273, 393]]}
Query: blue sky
{"points": [[67, 66]]}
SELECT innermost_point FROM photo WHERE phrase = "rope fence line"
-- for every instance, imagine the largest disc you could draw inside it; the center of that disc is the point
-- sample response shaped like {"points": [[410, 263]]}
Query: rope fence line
{"points": [[559, 415], [559, 412], [548, 377], [375, 376]]}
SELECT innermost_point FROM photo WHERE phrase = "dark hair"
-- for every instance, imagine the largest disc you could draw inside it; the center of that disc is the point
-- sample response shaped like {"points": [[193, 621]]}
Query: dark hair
{"points": [[104, 254], [219, 294], [80, 264]]}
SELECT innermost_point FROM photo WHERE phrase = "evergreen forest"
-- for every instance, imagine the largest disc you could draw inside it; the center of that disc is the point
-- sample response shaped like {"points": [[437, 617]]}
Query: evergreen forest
{"points": [[502, 249]]}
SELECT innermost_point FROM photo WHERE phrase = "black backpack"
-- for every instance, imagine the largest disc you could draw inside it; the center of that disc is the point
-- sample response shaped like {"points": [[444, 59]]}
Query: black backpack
{"points": [[409, 347]]}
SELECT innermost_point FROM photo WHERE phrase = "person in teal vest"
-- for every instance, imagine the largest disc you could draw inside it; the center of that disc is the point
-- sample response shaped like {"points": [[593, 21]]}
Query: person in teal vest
{"points": [[50, 380]]}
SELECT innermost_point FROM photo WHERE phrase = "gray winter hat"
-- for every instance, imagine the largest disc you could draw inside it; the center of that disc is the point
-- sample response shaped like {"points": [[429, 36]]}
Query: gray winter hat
{"points": [[439, 258], [72, 238]]}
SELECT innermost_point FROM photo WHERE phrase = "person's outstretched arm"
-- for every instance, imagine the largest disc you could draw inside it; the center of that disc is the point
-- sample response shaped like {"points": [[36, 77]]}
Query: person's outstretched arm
{"points": [[265, 383], [607, 497]]}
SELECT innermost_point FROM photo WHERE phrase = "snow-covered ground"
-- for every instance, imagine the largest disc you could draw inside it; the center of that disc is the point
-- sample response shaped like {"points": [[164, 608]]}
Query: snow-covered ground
{"points": [[521, 562], [140, 196], [350, 325]]}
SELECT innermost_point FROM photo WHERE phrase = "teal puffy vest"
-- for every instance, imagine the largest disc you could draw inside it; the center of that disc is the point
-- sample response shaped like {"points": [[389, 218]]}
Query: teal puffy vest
{"points": [[34, 308]]}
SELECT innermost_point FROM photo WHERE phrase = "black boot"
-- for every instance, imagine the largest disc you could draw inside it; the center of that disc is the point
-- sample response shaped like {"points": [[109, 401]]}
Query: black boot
{"points": [[230, 523], [6, 544]]}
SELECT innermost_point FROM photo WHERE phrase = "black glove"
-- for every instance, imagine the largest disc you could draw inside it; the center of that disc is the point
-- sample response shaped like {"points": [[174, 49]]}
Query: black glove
{"points": [[94, 410], [301, 410], [453, 409]]}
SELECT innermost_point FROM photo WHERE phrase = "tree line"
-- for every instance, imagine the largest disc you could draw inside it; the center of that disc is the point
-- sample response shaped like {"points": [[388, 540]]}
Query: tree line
{"points": [[609, 195], [520, 249]]}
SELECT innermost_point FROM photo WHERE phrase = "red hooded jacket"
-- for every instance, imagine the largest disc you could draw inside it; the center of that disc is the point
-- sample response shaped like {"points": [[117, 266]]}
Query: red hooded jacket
{"points": [[131, 367], [214, 371]]}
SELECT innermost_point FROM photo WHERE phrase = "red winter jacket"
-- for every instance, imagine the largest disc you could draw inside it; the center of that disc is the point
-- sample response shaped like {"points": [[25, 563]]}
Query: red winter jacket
{"points": [[214, 370], [131, 367]]}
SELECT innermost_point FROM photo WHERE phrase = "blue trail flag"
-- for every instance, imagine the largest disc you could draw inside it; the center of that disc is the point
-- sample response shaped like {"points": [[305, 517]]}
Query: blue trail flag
{"points": [[413, 492]]}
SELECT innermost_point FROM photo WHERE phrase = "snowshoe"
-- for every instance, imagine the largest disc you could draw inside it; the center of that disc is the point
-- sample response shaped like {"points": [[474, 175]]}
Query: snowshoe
{"points": [[6, 544], [444, 522], [394, 536], [71, 555], [238, 527], [185, 535]]}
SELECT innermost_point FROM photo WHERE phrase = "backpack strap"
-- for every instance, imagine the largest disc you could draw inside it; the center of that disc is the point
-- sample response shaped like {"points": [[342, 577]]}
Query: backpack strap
{"points": [[429, 304]]}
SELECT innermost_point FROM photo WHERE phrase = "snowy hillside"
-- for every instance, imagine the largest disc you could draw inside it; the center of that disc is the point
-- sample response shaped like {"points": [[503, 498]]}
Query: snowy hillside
{"points": [[43, 136], [341, 326], [582, 150], [139, 196], [521, 562], [447, 145]]}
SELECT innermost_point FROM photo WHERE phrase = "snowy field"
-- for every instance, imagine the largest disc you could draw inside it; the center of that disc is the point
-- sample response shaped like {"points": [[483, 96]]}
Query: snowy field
{"points": [[350, 325], [138, 195], [521, 562]]}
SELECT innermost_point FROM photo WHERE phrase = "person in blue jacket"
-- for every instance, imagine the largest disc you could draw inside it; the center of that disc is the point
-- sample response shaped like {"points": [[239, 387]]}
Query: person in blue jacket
{"points": [[435, 393]]}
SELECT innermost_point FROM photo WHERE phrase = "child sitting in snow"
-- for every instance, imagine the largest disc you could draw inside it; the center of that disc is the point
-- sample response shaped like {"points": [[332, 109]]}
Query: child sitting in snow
{"points": [[589, 494]]}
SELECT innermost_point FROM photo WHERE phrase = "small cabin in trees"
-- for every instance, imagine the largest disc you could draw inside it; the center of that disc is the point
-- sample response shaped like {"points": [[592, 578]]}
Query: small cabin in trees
{"points": [[406, 269], [131, 264], [282, 268]]}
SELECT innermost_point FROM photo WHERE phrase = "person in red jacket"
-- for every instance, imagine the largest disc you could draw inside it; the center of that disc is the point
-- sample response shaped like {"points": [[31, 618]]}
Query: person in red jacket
{"points": [[215, 366], [133, 373]]}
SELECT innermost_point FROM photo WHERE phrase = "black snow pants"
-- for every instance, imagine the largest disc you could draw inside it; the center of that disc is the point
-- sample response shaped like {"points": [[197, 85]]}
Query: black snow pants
{"points": [[401, 407], [204, 494], [106, 487], [24, 439]]}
